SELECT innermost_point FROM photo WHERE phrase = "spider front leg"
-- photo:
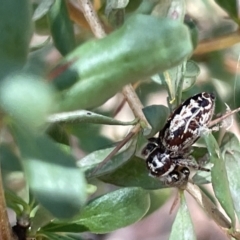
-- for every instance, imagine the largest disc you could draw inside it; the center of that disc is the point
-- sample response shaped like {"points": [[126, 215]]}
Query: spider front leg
{"points": [[150, 147]]}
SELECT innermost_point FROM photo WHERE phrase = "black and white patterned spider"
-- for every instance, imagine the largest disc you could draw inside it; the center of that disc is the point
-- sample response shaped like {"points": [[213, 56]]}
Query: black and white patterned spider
{"points": [[168, 156]]}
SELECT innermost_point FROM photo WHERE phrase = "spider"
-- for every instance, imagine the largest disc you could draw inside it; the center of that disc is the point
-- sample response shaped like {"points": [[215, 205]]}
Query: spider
{"points": [[168, 156]]}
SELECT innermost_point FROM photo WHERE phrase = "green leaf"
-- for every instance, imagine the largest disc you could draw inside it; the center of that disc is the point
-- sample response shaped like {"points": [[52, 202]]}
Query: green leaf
{"points": [[27, 99], [16, 31], [83, 116], [42, 9], [219, 177], [65, 227], [55, 236], [143, 46], [90, 136], [133, 173], [192, 69], [61, 27], [8, 159], [109, 212], [202, 177], [42, 217], [190, 75], [182, 228], [14, 202], [157, 116], [145, 6], [133, 5], [58, 133], [91, 161], [52, 174], [231, 155]]}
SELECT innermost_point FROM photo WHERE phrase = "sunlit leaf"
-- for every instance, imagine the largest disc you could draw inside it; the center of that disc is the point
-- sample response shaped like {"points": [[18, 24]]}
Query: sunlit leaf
{"points": [[98, 215], [143, 46]]}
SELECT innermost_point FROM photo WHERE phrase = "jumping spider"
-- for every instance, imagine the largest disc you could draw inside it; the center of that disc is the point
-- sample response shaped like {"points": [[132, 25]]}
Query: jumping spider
{"points": [[168, 156]]}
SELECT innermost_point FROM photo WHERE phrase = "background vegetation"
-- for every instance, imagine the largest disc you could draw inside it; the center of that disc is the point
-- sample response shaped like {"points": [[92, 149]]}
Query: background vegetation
{"points": [[64, 173]]}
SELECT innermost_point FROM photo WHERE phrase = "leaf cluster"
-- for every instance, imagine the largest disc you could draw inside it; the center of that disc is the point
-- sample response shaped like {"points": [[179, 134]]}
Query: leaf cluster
{"points": [[45, 106]]}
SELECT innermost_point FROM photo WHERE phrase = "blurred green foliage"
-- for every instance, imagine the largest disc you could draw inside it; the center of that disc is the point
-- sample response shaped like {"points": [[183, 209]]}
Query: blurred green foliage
{"points": [[150, 45]]}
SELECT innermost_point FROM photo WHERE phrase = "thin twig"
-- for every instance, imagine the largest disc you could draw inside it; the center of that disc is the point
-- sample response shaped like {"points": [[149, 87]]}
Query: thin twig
{"points": [[218, 43], [133, 132], [119, 107], [135, 104], [92, 18], [122, 103], [216, 121]]}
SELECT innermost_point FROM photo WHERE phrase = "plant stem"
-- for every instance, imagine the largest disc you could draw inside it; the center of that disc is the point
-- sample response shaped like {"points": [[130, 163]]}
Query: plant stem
{"points": [[92, 18], [135, 104], [5, 228], [216, 121], [133, 132]]}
